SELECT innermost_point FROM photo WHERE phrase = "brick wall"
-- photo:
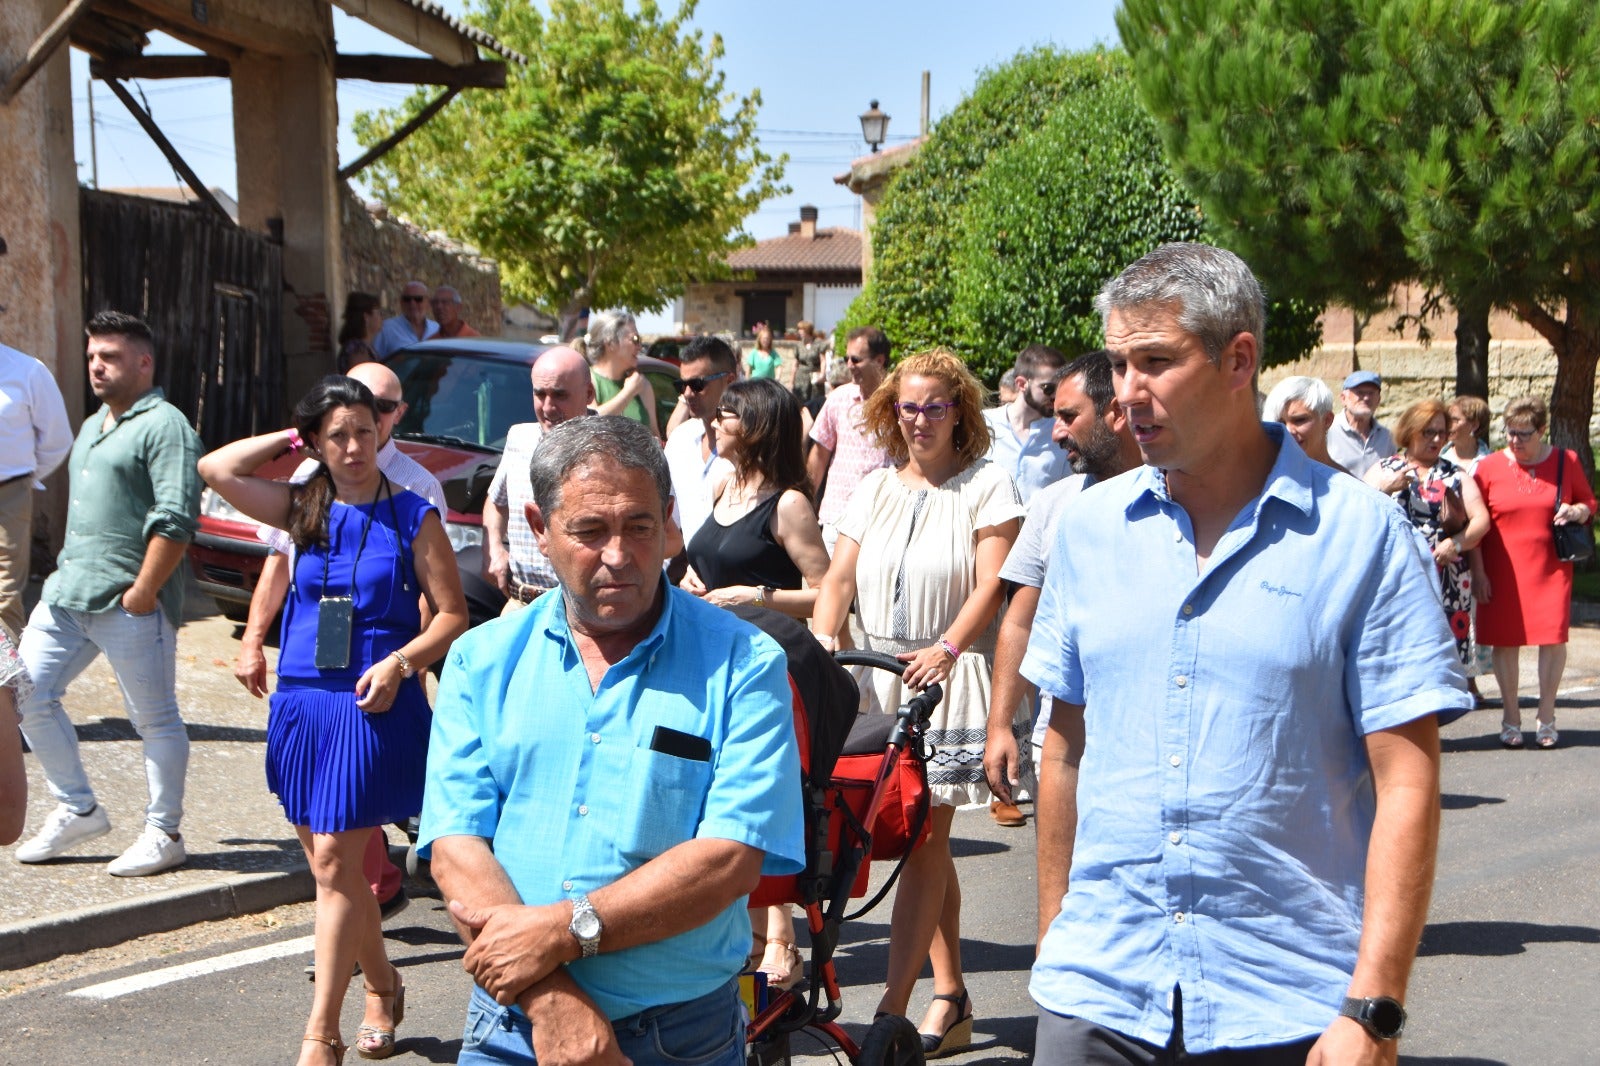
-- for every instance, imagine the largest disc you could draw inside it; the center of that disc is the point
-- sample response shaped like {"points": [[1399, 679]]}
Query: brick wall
{"points": [[382, 253]]}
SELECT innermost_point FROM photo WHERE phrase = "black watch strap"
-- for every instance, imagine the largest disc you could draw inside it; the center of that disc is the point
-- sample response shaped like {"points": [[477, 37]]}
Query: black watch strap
{"points": [[1382, 1016]]}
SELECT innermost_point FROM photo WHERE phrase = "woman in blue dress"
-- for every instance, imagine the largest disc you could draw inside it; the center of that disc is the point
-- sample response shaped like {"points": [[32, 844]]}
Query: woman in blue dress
{"points": [[347, 732]]}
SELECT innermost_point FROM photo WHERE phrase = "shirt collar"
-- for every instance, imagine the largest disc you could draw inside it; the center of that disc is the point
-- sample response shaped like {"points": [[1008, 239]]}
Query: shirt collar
{"points": [[1289, 480], [558, 629], [145, 401]]}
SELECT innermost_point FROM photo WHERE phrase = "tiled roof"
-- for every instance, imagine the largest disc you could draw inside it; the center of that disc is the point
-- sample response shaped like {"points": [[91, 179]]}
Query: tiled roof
{"points": [[471, 33], [832, 250]]}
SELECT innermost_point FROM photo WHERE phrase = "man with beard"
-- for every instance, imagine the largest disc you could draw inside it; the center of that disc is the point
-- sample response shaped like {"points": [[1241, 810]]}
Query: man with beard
{"points": [[1092, 432], [1021, 430], [1357, 440]]}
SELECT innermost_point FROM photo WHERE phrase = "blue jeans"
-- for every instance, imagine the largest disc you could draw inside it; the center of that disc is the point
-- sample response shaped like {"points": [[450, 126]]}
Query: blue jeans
{"points": [[57, 645], [708, 1031]]}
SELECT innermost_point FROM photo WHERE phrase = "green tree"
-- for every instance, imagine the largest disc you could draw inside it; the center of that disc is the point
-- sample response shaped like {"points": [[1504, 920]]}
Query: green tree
{"points": [[611, 170], [1356, 143]]}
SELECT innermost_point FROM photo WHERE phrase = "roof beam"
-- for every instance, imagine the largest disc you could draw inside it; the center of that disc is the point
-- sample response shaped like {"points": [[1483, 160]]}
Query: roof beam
{"points": [[292, 29], [135, 14], [415, 123], [160, 67], [421, 30], [406, 70], [40, 51], [189, 176]]}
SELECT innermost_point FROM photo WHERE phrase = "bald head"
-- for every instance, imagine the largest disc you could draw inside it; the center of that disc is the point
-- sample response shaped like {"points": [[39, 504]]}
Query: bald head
{"points": [[385, 388], [561, 386]]}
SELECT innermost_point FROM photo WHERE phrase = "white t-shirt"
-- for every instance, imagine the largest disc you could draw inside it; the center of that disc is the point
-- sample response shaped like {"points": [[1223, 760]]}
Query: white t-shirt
{"points": [[692, 476]]}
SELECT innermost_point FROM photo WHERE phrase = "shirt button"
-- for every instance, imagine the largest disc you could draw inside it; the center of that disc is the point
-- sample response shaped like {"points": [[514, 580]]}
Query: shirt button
{"points": [[1175, 760], [1178, 917], [566, 886], [1188, 608], [1175, 837], [595, 737], [1177, 534], [583, 808], [1181, 680]]}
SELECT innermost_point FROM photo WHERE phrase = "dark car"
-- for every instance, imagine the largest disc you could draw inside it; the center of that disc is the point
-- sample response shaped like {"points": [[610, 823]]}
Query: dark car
{"points": [[462, 398]]}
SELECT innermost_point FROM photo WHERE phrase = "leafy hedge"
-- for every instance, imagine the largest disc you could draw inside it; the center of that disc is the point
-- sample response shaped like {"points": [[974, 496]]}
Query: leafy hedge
{"points": [[1039, 187]]}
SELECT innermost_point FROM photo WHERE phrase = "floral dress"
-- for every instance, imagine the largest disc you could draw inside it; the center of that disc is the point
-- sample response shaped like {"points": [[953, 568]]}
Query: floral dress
{"points": [[1421, 500]]}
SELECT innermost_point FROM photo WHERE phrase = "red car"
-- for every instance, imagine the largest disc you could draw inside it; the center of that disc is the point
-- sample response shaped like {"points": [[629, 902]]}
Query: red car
{"points": [[463, 397]]}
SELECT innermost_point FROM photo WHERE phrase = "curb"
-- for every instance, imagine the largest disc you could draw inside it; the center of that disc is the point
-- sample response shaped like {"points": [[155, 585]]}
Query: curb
{"points": [[29, 943]]}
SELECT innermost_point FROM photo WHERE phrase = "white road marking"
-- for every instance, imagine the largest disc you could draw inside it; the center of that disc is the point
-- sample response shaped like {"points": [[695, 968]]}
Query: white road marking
{"points": [[156, 978]]}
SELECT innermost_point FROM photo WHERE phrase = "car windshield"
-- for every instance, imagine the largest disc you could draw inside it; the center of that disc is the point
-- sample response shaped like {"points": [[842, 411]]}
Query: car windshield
{"points": [[454, 398]]}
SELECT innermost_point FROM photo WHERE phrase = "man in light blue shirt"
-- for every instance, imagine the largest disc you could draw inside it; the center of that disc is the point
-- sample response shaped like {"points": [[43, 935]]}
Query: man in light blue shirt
{"points": [[611, 771], [1021, 431], [1247, 656], [410, 326]]}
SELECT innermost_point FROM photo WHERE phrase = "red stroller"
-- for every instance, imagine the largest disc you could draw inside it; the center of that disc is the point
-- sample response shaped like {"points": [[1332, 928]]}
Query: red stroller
{"points": [[866, 797]]}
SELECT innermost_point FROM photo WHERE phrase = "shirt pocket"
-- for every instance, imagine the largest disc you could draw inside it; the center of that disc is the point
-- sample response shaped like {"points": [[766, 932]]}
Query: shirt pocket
{"points": [[664, 796]]}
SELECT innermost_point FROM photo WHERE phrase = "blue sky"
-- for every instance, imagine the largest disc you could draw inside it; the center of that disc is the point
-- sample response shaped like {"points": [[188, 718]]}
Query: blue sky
{"points": [[817, 64]]}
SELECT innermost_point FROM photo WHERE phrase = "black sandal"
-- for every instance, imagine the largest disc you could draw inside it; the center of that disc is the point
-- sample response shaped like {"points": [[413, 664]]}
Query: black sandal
{"points": [[957, 1036]]}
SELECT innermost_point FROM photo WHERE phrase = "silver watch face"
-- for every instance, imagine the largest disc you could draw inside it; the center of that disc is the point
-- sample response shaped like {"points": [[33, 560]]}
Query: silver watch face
{"points": [[585, 924]]}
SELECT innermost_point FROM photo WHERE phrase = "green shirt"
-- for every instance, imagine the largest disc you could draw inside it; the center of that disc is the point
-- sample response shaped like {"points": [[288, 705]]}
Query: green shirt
{"points": [[761, 364], [134, 481], [605, 390]]}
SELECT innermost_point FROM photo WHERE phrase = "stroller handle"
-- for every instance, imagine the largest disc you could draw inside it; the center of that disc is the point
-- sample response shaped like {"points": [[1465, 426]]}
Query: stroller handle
{"points": [[923, 702]]}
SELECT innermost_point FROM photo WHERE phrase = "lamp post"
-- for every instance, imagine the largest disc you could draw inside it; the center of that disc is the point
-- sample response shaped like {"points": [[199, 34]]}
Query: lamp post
{"points": [[874, 126]]}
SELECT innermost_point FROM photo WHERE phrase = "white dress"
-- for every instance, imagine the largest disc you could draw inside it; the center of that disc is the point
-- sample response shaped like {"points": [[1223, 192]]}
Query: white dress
{"points": [[915, 571]]}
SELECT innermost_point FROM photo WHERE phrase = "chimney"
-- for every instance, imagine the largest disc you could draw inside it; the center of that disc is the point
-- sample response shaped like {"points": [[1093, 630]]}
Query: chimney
{"points": [[808, 222], [794, 227]]}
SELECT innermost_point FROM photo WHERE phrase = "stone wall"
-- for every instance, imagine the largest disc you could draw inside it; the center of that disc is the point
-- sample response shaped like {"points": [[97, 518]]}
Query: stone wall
{"points": [[717, 307], [382, 253]]}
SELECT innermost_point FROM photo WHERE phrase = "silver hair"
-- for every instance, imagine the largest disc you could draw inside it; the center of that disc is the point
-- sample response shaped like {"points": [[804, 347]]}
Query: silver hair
{"points": [[571, 444], [606, 327], [1216, 295], [455, 297], [1313, 392]]}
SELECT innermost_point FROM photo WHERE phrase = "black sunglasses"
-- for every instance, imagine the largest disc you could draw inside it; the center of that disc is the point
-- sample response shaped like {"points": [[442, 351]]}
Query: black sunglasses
{"points": [[385, 407], [697, 383], [413, 299]]}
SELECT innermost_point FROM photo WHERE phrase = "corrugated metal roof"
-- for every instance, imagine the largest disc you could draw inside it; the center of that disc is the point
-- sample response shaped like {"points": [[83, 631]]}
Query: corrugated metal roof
{"points": [[837, 249], [471, 33]]}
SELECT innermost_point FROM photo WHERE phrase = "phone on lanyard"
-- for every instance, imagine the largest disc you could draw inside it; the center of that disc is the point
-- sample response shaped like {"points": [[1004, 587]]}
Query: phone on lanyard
{"points": [[335, 618]]}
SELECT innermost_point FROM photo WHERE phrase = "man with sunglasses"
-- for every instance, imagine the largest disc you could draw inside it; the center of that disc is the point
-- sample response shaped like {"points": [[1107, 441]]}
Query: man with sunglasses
{"points": [[707, 366], [1021, 430], [411, 325], [273, 587]]}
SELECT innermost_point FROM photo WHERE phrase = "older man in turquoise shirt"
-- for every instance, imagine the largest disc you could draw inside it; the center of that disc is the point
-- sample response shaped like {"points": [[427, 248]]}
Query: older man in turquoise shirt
{"points": [[1247, 659], [611, 771], [135, 503]]}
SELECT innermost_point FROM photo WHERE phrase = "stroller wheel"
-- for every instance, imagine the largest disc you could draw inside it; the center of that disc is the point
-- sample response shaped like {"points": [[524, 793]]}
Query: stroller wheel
{"points": [[892, 1041]]}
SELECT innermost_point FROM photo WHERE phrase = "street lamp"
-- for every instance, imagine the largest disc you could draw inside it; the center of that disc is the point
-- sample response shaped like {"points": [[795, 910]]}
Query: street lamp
{"points": [[874, 126]]}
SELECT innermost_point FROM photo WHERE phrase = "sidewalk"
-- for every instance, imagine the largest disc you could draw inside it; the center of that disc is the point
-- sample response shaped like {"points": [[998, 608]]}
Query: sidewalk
{"points": [[243, 857]]}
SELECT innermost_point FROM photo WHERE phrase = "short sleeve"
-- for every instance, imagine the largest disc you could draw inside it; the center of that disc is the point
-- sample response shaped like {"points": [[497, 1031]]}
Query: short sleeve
{"points": [[858, 512], [1575, 485], [1025, 563], [825, 430], [1400, 663], [461, 797], [499, 494], [998, 499], [755, 796], [1052, 661]]}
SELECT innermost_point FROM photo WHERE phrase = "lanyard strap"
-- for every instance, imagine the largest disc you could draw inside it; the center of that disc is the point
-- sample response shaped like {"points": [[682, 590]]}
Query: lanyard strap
{"points": [[360, 546]]}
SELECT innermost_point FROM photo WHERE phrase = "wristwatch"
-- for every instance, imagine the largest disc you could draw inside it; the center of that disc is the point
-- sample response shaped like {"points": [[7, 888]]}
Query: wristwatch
{"points": [[586, 926], [1381, 1016]]}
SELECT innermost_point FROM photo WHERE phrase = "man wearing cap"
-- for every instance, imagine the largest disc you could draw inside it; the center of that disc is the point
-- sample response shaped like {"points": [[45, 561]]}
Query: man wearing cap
{"points": [[1356, 441]]}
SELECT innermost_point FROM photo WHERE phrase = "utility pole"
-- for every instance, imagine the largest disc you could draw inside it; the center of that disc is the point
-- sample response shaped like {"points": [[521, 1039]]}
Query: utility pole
{"points": [[94, 151], [926, 79]]}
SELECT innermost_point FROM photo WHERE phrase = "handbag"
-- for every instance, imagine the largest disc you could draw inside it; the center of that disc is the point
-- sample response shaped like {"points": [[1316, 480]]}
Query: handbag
{"points": [[1574, 540], [1452, 513]]}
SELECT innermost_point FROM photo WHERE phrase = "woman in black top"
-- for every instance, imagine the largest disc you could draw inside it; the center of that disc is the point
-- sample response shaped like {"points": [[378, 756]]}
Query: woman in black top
{"points": [[761, 545]]}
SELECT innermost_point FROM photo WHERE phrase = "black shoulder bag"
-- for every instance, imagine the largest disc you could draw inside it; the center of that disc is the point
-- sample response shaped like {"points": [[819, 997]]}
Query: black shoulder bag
{"points": [[1574, 540]]}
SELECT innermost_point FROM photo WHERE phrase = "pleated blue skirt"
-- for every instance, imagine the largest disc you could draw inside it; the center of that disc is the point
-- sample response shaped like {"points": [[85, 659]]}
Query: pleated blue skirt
{"points": [[334, 767]]}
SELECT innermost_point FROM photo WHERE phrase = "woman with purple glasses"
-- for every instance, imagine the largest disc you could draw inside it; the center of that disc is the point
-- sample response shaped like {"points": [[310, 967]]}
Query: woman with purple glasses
{"points": [[920, 548]]}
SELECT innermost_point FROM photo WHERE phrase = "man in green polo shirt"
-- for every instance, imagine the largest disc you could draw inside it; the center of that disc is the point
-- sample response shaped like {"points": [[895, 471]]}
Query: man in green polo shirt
{"points": [[134, 506]]}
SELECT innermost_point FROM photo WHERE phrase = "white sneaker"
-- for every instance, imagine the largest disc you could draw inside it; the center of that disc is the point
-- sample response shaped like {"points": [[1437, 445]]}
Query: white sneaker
{"points": [[153, 852], [63, 831]]}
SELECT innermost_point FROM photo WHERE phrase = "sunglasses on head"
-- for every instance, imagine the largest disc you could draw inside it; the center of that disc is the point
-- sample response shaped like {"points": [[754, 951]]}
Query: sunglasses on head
{"points": [[385, 407], [696, 384]]}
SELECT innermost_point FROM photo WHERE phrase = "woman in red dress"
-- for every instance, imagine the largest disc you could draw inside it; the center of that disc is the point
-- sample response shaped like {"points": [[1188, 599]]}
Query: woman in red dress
{"points": [[1527, 597]]}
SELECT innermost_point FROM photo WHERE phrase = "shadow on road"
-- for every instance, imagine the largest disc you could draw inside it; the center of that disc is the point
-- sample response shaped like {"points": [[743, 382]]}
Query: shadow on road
{"points": [[106, 730], [962, 848], [1447, 1060], [1455, 801], [1570, 738], [430, 1048], [1498, 938]]}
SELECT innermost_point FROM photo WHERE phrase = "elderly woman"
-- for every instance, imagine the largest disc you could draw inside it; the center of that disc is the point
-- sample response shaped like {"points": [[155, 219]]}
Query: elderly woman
{"points": [[1527, 595], [1443, 502], [920, 548], [612, 346], [1305, 407]]}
